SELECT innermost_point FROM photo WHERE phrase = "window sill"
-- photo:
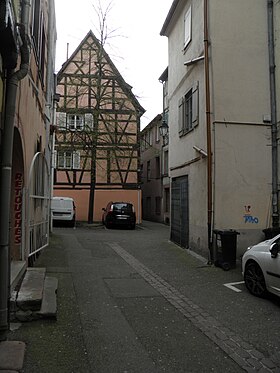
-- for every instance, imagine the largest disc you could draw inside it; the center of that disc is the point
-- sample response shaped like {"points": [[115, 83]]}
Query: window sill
{"points": [[185, 132], [186, 46]]}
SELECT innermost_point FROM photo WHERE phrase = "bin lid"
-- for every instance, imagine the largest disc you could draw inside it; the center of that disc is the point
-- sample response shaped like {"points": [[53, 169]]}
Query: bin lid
{"points": [[225, 232]]}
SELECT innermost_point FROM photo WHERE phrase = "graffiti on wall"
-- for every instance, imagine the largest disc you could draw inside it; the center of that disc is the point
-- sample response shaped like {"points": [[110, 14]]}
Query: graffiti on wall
{"points": [[249, 217], [18, 207]]}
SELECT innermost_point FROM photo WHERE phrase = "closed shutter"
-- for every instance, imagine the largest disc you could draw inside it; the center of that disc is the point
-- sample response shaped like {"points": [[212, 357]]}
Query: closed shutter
{"points": [[76, 160], [54, 159], [61, 121], [181, 115], [89, 122], [60, 160]]}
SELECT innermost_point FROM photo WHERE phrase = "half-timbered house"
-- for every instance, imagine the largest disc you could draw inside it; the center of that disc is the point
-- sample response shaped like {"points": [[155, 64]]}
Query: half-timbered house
{"points": [[97, 134]]}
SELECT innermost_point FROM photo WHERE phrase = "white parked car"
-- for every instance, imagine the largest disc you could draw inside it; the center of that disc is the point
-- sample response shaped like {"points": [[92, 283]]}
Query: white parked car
{"points": [[63, 210], [261, 267]]}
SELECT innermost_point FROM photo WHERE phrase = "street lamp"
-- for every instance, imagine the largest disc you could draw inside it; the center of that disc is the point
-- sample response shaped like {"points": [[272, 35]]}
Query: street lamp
{"points": [[163, 129]]}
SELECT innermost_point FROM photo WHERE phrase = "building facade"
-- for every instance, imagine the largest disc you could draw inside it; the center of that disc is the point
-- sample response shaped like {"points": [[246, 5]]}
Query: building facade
{"points": [[154, 171], [27, 34], [97, 147], [220, 121]]}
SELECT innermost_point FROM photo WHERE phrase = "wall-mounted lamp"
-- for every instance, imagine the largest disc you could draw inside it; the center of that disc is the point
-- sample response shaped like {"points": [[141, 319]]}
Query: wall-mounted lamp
{"points": [[163, 129]]}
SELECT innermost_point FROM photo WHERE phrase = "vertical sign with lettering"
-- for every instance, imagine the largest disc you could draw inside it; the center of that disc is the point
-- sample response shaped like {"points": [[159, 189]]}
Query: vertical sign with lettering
{"points": [[18, 207]]}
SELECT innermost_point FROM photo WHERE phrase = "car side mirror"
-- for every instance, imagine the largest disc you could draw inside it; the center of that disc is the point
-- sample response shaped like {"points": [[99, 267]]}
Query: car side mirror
{"points": [[274, 250]]}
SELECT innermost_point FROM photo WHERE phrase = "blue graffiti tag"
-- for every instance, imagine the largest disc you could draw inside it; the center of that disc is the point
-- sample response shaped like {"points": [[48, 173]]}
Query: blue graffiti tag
{"points": [[251, 219]]}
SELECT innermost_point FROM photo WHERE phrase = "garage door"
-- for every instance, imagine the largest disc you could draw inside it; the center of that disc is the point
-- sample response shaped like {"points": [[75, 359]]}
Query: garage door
{"points": [[180, 211]]}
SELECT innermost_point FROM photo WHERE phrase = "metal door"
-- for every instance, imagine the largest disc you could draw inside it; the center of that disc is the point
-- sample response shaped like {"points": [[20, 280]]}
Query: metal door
{"points": [[180, 211]]}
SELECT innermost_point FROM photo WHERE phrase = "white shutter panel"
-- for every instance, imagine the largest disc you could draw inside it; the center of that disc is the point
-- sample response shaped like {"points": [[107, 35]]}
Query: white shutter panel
{"points": [[60, 159], [195, 106], [181, 115], [88, 122], [76, 160], [54, 159], [61, 121]]}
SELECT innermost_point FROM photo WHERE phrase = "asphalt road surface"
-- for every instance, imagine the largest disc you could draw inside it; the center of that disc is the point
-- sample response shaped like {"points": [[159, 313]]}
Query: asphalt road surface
{"points": [[133, 302]]}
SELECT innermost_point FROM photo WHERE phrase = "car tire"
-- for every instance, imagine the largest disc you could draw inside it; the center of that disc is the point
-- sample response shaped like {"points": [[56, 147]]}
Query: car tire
{"points": [[132, 226], [254, 280]]}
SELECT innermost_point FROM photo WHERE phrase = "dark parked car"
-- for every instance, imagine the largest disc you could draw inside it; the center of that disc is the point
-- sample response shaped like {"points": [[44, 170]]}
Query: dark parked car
{"points": [[119, 214]]}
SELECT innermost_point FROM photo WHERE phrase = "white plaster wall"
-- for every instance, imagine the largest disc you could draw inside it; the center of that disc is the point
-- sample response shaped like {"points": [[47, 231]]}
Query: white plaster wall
{"points": [[239, 60], [240, 92], [242, 181], [180, 79], [239, 77]]}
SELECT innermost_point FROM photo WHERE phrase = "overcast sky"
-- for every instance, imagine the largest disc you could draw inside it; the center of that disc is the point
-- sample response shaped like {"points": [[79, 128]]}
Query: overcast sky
{"points": [[136, 48]]}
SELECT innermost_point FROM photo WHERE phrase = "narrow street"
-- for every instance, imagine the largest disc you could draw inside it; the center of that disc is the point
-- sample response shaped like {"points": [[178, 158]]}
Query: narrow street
{"points": [[133, 302]]}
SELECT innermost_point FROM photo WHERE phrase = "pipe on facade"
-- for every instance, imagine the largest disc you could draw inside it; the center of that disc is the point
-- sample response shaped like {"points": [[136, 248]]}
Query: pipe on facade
{"points": [[6, 170], [273, 108], [208, 133]]}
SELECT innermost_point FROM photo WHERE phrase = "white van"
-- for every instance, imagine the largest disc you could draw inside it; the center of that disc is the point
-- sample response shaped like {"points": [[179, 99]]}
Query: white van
{"points": [[63, 209]]}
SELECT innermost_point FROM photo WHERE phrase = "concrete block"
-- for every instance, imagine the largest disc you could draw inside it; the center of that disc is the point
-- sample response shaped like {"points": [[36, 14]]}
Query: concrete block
{"points": [[49, 304], [31, 290]]}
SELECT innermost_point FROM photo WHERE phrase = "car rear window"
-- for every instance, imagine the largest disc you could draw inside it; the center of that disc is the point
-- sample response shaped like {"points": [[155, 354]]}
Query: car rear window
{"points": [[122, 206]]}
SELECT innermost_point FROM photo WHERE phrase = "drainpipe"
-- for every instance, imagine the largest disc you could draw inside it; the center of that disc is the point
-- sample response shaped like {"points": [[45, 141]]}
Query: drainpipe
{"points": [[273, 108], [208, 133], [6, 171]]}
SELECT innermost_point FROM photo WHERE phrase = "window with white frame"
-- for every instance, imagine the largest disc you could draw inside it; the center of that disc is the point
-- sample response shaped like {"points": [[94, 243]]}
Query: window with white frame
{"points": [[188, 26], [75, 122], [188, 111], [68, 160]]}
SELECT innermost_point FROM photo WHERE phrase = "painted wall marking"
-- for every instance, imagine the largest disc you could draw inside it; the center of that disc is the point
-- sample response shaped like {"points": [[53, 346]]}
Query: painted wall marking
{"points": [[248, 217]]}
